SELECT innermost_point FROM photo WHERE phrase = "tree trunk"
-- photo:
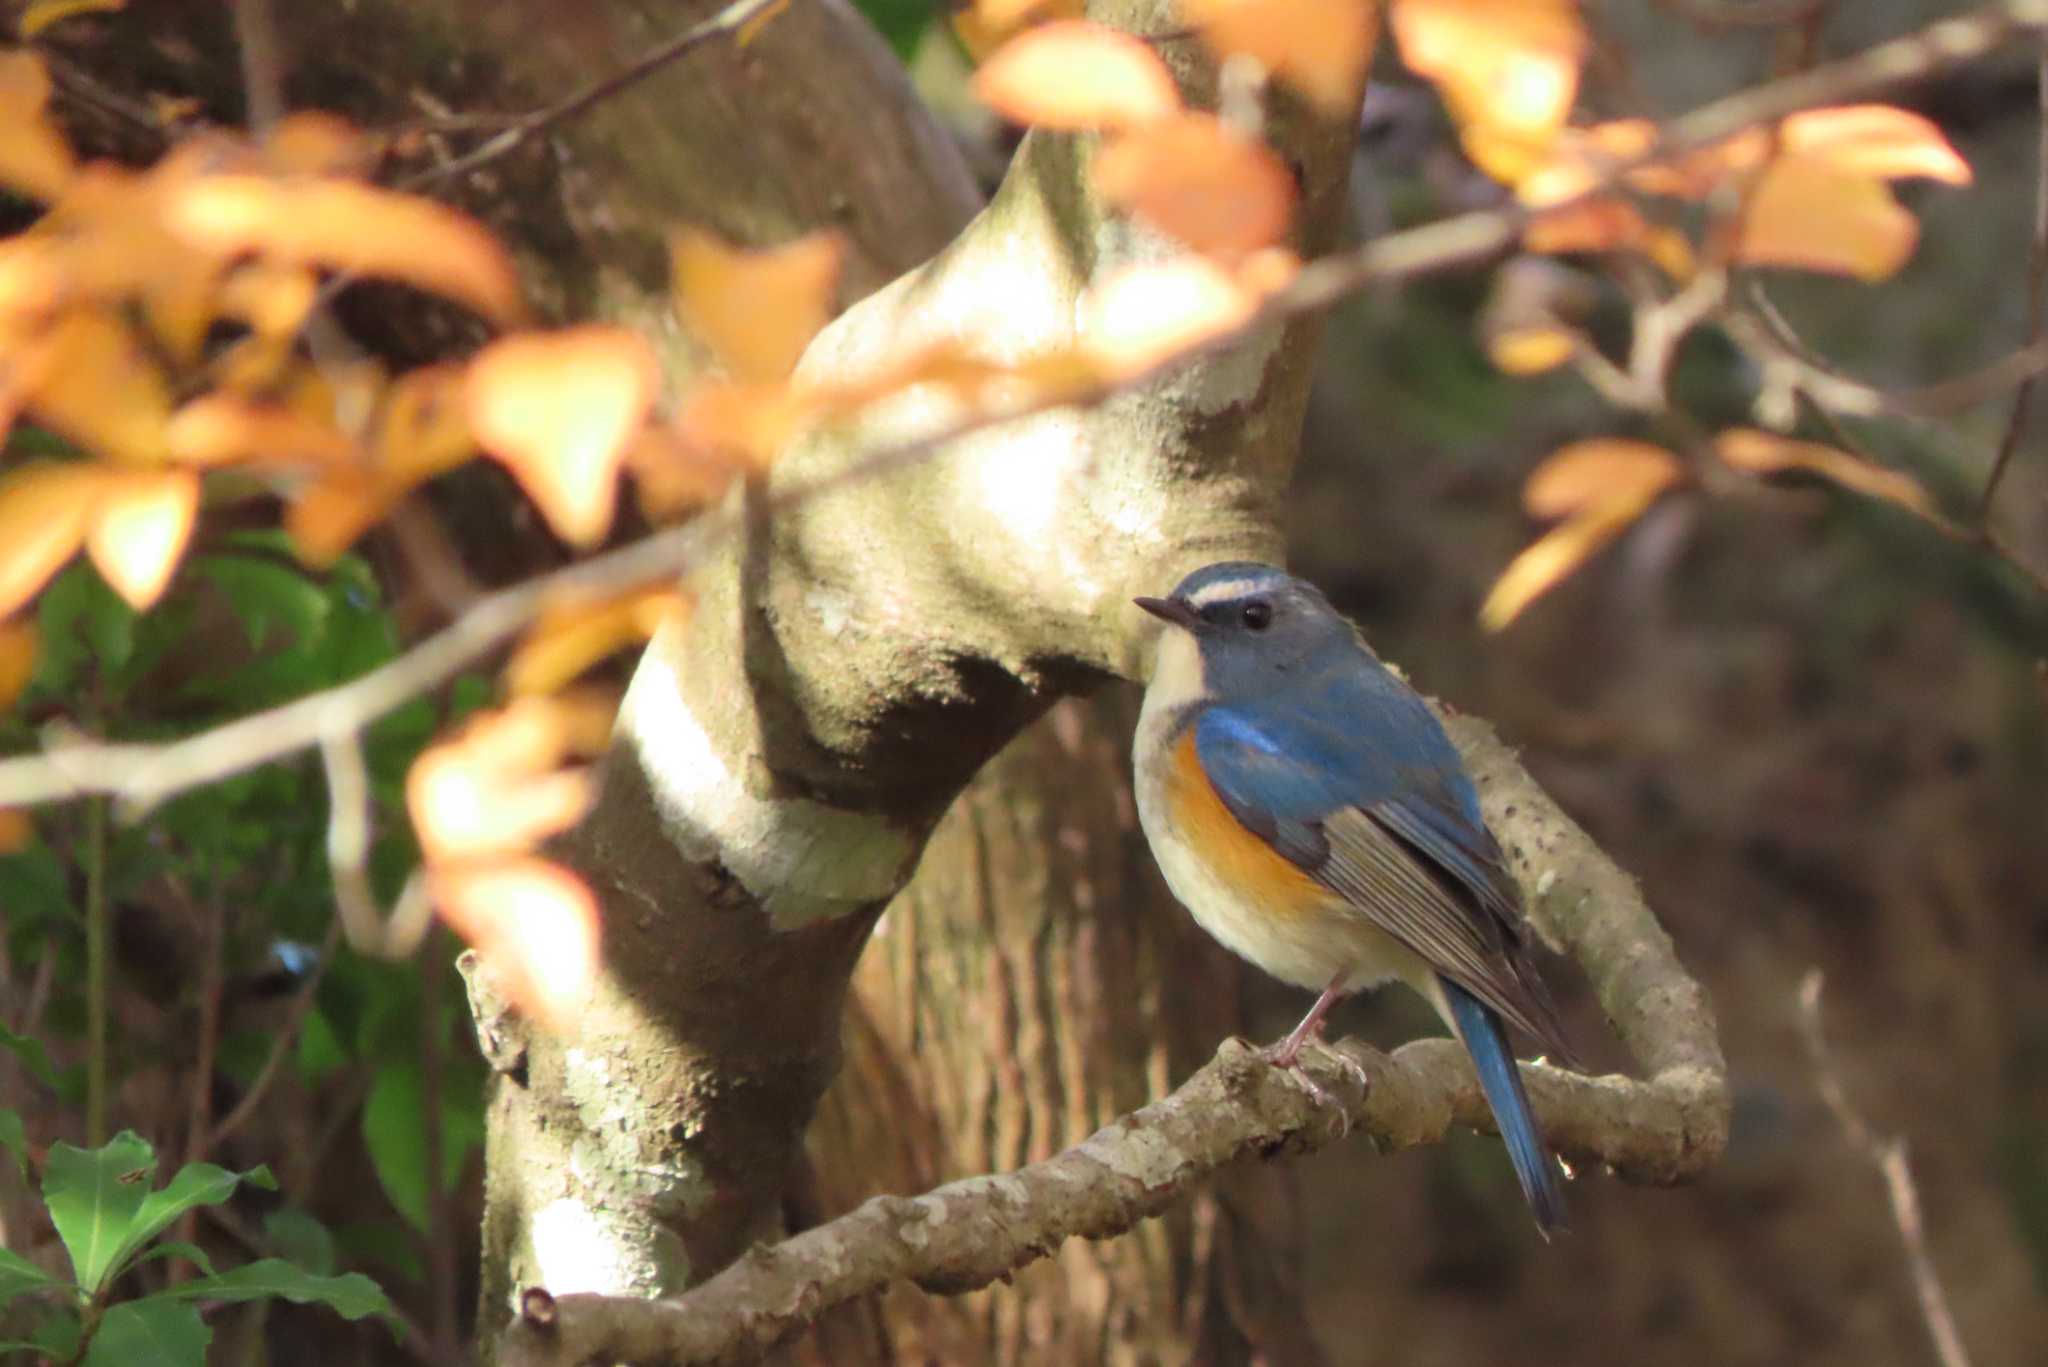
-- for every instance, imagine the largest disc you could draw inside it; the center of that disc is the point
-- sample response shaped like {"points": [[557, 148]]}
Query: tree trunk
{"points": [[1034, 982]]}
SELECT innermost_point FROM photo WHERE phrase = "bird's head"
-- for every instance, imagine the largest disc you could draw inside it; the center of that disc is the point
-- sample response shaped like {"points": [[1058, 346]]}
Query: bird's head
{"points": [[1242, 623]]}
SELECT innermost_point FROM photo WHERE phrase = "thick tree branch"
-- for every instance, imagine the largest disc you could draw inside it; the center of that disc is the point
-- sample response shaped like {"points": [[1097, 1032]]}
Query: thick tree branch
{"points": [[1236, 1108]]}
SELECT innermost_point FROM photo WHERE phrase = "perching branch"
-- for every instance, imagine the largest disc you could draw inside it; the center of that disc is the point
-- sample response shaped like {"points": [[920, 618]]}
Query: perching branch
{"points": [[1236, 1108]]}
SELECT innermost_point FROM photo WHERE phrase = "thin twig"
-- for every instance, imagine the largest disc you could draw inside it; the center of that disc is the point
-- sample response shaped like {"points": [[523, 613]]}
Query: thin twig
{"points": [[1888, 1155], [96, 951], [144, 774], [731, 19], [2037, 295], [212, 967], [262, 70]]}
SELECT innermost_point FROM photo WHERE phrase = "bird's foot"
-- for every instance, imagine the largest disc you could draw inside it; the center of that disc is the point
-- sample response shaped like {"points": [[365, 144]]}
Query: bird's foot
{"points": [[1287, 1054]]}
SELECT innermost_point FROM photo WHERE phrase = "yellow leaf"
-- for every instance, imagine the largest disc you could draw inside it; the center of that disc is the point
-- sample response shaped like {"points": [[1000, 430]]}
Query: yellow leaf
{"points": [[33, 158], [571, 637], [558, 409], [1320, 47], [222, 429], [344, 225], [139, 530], [743, 424], [1876, 140], [40, 14], [313, 143], [327, 515], [1531, 350], [100, 389], [1190, 176], [756, 310], [534, 924], [1074, 74], [497, 787], [18, 641], [985, 25], [1508, 71], [1804, 214], [1767, 453], [1145, 313], [672, 476], [423, 427], [1587, 473], [16, 830], [1548, 562], [758, 23], [44, 510]]}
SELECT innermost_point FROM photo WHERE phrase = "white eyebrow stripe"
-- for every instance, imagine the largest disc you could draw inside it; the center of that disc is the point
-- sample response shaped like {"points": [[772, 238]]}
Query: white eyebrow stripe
{"points": [[1227, 589]]}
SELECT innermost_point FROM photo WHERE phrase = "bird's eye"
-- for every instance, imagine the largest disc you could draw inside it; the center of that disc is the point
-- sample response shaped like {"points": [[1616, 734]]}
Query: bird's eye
{"points": [[1258, 614]]}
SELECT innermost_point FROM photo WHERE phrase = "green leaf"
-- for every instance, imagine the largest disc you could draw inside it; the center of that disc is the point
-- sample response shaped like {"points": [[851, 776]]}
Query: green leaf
{"points": [[94, 1196], [393, 1132], [83, 622], [352, 1294], [178, 1248], [266, 595], [18, 1275], [31, 1054], [14, 1139], [104, 1210], [156, 1331], [38, 888], [902, 22], [298, 1238]]}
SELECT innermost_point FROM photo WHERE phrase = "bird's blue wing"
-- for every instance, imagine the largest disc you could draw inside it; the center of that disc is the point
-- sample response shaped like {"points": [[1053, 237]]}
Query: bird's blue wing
{"points": [[1382, 813]]}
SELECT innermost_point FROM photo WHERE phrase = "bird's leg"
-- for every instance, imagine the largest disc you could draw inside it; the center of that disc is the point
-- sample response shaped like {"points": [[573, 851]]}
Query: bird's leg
{"points": [[1287, 1053]]}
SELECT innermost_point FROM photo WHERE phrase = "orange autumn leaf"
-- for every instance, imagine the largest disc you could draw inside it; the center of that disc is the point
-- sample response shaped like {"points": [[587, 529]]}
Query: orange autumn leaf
{"points": [[98, 387], [672, 476], [139, 529], [348, 226], [1552, 559], [756, 310], [1585, 473], [1766, 453], [18, 642], [558, 409], [40, 14], [533, 923], [1320, 47], [1806, 215], [497, 786], [1073, 74], [1531, 350], [1600, 487], [744, 424], [222, 428], [1875, 140], [1143, 314], [34, 159], [16, 830], [1194, 178], [571, 637], [1508, 71], [45, 509], [985, 25]]}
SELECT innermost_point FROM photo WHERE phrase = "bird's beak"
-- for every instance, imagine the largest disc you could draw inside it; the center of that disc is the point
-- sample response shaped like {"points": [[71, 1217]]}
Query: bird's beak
{"points": [[1171, 610]]}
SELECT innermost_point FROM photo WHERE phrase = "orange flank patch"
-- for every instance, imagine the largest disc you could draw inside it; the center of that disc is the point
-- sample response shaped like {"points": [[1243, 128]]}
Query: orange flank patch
{"points": [[1237, 857]]}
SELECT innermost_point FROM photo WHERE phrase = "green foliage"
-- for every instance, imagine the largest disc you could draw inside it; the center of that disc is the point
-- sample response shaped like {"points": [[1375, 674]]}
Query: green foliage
{"points": [[902, 22], [108, 1214]]}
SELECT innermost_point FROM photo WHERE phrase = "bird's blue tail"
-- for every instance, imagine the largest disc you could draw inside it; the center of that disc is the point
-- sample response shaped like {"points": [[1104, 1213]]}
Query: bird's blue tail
{"points": [[1501, 1081]]}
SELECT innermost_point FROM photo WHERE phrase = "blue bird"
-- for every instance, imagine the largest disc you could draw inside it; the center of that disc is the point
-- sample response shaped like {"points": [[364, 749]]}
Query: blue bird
{"points": [[1306, 806]]}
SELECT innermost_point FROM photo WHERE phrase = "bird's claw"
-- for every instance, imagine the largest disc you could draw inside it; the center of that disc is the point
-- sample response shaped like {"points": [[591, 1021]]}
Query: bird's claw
{"points": [[1282, 1056]]}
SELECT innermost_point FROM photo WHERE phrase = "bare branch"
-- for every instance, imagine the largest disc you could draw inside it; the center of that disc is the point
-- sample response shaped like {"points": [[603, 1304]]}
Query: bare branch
{"points": [[2037, 296], [1888, 1155], [730, 20]]}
